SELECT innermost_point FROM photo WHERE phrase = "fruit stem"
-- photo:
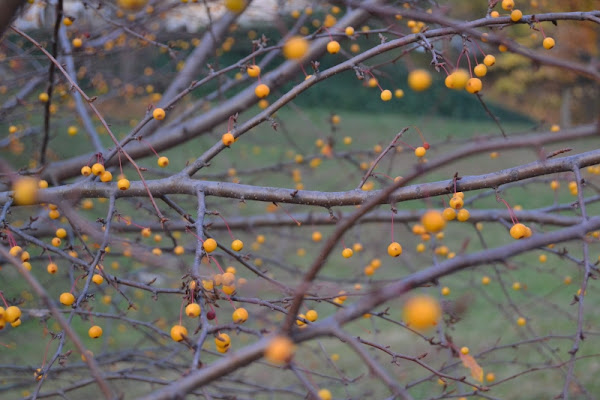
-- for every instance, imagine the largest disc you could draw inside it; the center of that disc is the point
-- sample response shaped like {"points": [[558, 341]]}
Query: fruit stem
{"points": [[3, 299], [226, 224]]}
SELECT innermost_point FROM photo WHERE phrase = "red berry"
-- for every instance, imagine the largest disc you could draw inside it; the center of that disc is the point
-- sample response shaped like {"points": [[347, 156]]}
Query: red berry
{"points": [[211, 315]]}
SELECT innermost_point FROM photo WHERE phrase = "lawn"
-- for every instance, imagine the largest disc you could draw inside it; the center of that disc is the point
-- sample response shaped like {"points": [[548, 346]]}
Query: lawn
{"points": [[478, 316]]}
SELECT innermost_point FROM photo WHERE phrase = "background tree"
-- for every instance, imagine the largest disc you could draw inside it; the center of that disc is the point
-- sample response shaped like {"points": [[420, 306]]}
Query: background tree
{"points": [[306, 200]]}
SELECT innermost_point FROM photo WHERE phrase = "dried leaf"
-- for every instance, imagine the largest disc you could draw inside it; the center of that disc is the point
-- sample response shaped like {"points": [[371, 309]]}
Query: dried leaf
{"points": [[469, 362]]}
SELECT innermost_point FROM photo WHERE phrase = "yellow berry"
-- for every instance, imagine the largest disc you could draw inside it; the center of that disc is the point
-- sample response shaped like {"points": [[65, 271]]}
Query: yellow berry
{"points": [[419, 80], [262, 90], [394, 249], [222, 340], [347, 252], [67, 299], [449, 214], [227, 139], [474, 85], [445, 291], [97, 279], [463, 215], [518, 231], [508, 4], [516, 15], [240, 315], [178, 332], [386, 95], [457, 80], [421, 312], [456, 202], [25, 190], [237, 245], [480, 70], [548, 43], [123, 184], [158, 114], [209, 245], [52, 268], [162, 161], [489, 60], [253, 71], [235, 6], [97, 169], [106, 176], [95, 332], [279, 350], [11, 314], [433, 221], [324, 394], [295, 48], [311, 315], [333, 47], [192, 310]]}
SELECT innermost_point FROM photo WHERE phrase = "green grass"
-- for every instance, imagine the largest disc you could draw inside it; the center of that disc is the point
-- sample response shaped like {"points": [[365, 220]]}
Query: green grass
{"points": [[486, 318]]}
